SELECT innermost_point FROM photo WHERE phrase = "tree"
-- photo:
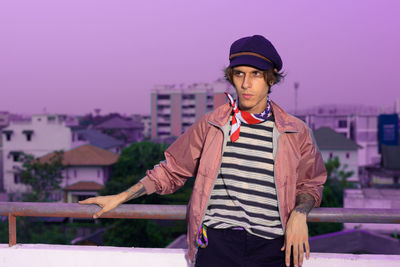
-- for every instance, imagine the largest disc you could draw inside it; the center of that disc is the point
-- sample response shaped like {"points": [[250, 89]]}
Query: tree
{"points": [[332, 196], [131, 166], [43, 177]]}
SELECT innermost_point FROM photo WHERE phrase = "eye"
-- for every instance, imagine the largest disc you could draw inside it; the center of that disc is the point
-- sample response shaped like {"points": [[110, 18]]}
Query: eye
{"points": [[237, 73], [257, 73]]}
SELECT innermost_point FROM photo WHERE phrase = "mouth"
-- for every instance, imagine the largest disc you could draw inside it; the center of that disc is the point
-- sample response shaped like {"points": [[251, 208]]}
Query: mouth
{"points": [[247, 96]]}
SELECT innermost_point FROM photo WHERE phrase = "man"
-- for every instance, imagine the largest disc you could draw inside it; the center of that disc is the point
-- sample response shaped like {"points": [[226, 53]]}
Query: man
{"points": [[258, 172]]}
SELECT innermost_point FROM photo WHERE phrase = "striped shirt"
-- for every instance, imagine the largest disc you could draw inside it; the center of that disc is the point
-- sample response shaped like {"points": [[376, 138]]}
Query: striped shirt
{"points": [[244, 193]]}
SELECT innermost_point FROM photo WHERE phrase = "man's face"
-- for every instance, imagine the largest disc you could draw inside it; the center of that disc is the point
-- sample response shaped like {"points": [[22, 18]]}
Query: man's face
{"points": [[251, 88]]}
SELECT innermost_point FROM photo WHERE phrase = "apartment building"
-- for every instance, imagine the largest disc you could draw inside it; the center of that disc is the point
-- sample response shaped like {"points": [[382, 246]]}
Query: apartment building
{"points": [[175, 107], [38, 135]]}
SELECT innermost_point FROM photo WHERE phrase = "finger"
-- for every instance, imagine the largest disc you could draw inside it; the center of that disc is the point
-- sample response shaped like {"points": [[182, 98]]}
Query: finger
{"points": [[296, 254], [307, 245], [87, 201], [301, 254], [287, 254], [98, 214], [283, 247]]}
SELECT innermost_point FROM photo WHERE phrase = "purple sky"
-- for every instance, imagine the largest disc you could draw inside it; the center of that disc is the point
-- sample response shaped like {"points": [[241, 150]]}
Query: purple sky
{"points": [[71, 56]]}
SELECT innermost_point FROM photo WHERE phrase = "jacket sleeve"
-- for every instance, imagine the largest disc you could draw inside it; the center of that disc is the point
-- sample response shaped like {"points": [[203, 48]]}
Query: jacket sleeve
{"points": [[181, 161], [312, 172]]}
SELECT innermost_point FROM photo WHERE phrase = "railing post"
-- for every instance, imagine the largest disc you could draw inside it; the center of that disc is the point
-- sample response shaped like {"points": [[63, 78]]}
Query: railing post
{"points": [[12, 230]]}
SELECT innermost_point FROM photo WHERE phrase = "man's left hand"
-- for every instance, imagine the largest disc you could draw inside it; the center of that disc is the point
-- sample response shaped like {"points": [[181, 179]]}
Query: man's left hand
{"points": [[296, 236]]}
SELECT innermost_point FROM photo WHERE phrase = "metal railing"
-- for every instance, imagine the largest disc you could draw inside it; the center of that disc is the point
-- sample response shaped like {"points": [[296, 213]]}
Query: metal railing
{"points": [[172, 212]]}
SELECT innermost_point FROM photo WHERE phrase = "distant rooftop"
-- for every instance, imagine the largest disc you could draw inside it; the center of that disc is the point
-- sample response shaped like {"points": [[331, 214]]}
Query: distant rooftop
{"points": [[219, 85], [345, 109], [84, 186], [97, 138], [328, 139], [119, 123], [85, 155]]}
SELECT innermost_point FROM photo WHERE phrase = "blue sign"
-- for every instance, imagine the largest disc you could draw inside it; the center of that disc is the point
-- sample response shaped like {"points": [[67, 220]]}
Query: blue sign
{"points": [[388, 130]]}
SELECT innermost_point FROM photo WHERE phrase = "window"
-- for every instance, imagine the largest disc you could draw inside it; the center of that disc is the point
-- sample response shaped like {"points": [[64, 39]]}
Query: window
{"points": [[342, 123], [162, 97], [98, 172], [347, 155], [17, 178], [28, 134], [8, 134], [189, 96], [330, 155], [75, 173]]}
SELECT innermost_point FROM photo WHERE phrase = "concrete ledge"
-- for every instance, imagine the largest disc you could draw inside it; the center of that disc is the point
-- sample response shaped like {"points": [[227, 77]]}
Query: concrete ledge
{"points": [[40, 255]]}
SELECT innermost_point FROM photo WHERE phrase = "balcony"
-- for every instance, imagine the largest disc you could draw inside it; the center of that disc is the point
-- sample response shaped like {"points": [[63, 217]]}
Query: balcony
{"points": [[16, 255]]}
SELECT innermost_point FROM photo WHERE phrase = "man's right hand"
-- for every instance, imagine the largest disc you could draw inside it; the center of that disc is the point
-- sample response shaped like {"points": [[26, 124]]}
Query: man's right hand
{"points": [[106, 203]]}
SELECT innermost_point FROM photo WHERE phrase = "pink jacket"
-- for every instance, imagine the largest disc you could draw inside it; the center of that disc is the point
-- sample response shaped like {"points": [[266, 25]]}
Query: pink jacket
{"points": [[197, 153]]}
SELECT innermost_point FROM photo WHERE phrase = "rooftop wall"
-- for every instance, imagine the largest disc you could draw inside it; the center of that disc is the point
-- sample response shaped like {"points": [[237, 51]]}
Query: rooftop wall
{"points": [[37, 255]]}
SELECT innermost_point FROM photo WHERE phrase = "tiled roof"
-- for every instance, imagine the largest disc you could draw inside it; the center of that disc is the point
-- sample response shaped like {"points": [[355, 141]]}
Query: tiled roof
{"points": [[119, 123], [327, 138], [84, 186], [86, 155], [99, 139]]}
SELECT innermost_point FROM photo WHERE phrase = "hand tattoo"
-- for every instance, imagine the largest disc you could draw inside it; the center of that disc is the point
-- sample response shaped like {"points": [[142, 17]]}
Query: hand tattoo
{"points": [[304, 203], [135, 191]]}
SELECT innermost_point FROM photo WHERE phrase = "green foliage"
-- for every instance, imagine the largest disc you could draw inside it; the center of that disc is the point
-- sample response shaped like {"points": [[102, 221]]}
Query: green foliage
{"points": [[32, 231], [332, 195], [131, 166], [142, 233], [43, 177]]}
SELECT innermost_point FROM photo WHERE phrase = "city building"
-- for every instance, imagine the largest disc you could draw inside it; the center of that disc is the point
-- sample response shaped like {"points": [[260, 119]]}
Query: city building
{"points": [[175, 107], [4, 121], [126, 130], [87, 170], [146, 121], [37, 135], [332, 144], [356, 122]]}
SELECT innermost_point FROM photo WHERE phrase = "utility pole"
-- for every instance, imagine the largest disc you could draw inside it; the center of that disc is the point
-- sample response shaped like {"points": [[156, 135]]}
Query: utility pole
{"points": [[296, 88]]}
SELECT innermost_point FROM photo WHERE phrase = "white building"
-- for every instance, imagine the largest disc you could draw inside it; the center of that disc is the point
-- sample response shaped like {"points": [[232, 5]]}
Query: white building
{"points": [[87, 171], [332, 144], [38, 136], [356, 122]]}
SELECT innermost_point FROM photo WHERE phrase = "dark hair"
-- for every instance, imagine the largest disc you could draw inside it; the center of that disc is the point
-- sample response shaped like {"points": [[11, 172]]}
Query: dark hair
{"points": [[269, 75]]}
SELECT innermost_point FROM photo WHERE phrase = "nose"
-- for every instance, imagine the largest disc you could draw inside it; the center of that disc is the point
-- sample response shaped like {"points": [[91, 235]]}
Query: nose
{"points": [[246, 81]]}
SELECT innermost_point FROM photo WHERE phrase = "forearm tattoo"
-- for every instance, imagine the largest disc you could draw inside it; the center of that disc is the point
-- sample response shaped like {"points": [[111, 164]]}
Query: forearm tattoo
{"points": [[135, 191], [304, 203]]}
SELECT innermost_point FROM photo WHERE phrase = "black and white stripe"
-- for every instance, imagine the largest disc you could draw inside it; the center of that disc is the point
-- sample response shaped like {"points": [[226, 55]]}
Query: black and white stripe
{"points": [[244, 193]]}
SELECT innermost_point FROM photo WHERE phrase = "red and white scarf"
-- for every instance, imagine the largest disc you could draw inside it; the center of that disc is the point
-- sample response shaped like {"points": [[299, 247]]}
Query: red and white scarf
{"points": [[240, 116]]}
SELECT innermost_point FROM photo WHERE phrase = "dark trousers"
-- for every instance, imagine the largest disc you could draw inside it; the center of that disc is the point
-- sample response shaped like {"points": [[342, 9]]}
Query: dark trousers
{"points": [[227, 247]]}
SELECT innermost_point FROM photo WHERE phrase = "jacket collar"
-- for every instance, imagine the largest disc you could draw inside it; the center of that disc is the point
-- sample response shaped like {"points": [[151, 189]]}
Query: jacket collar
{"points": [[284, 122]]}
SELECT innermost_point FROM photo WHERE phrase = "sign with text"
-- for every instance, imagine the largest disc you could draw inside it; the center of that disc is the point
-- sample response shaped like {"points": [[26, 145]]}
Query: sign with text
{"points": [[388, 130]]}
